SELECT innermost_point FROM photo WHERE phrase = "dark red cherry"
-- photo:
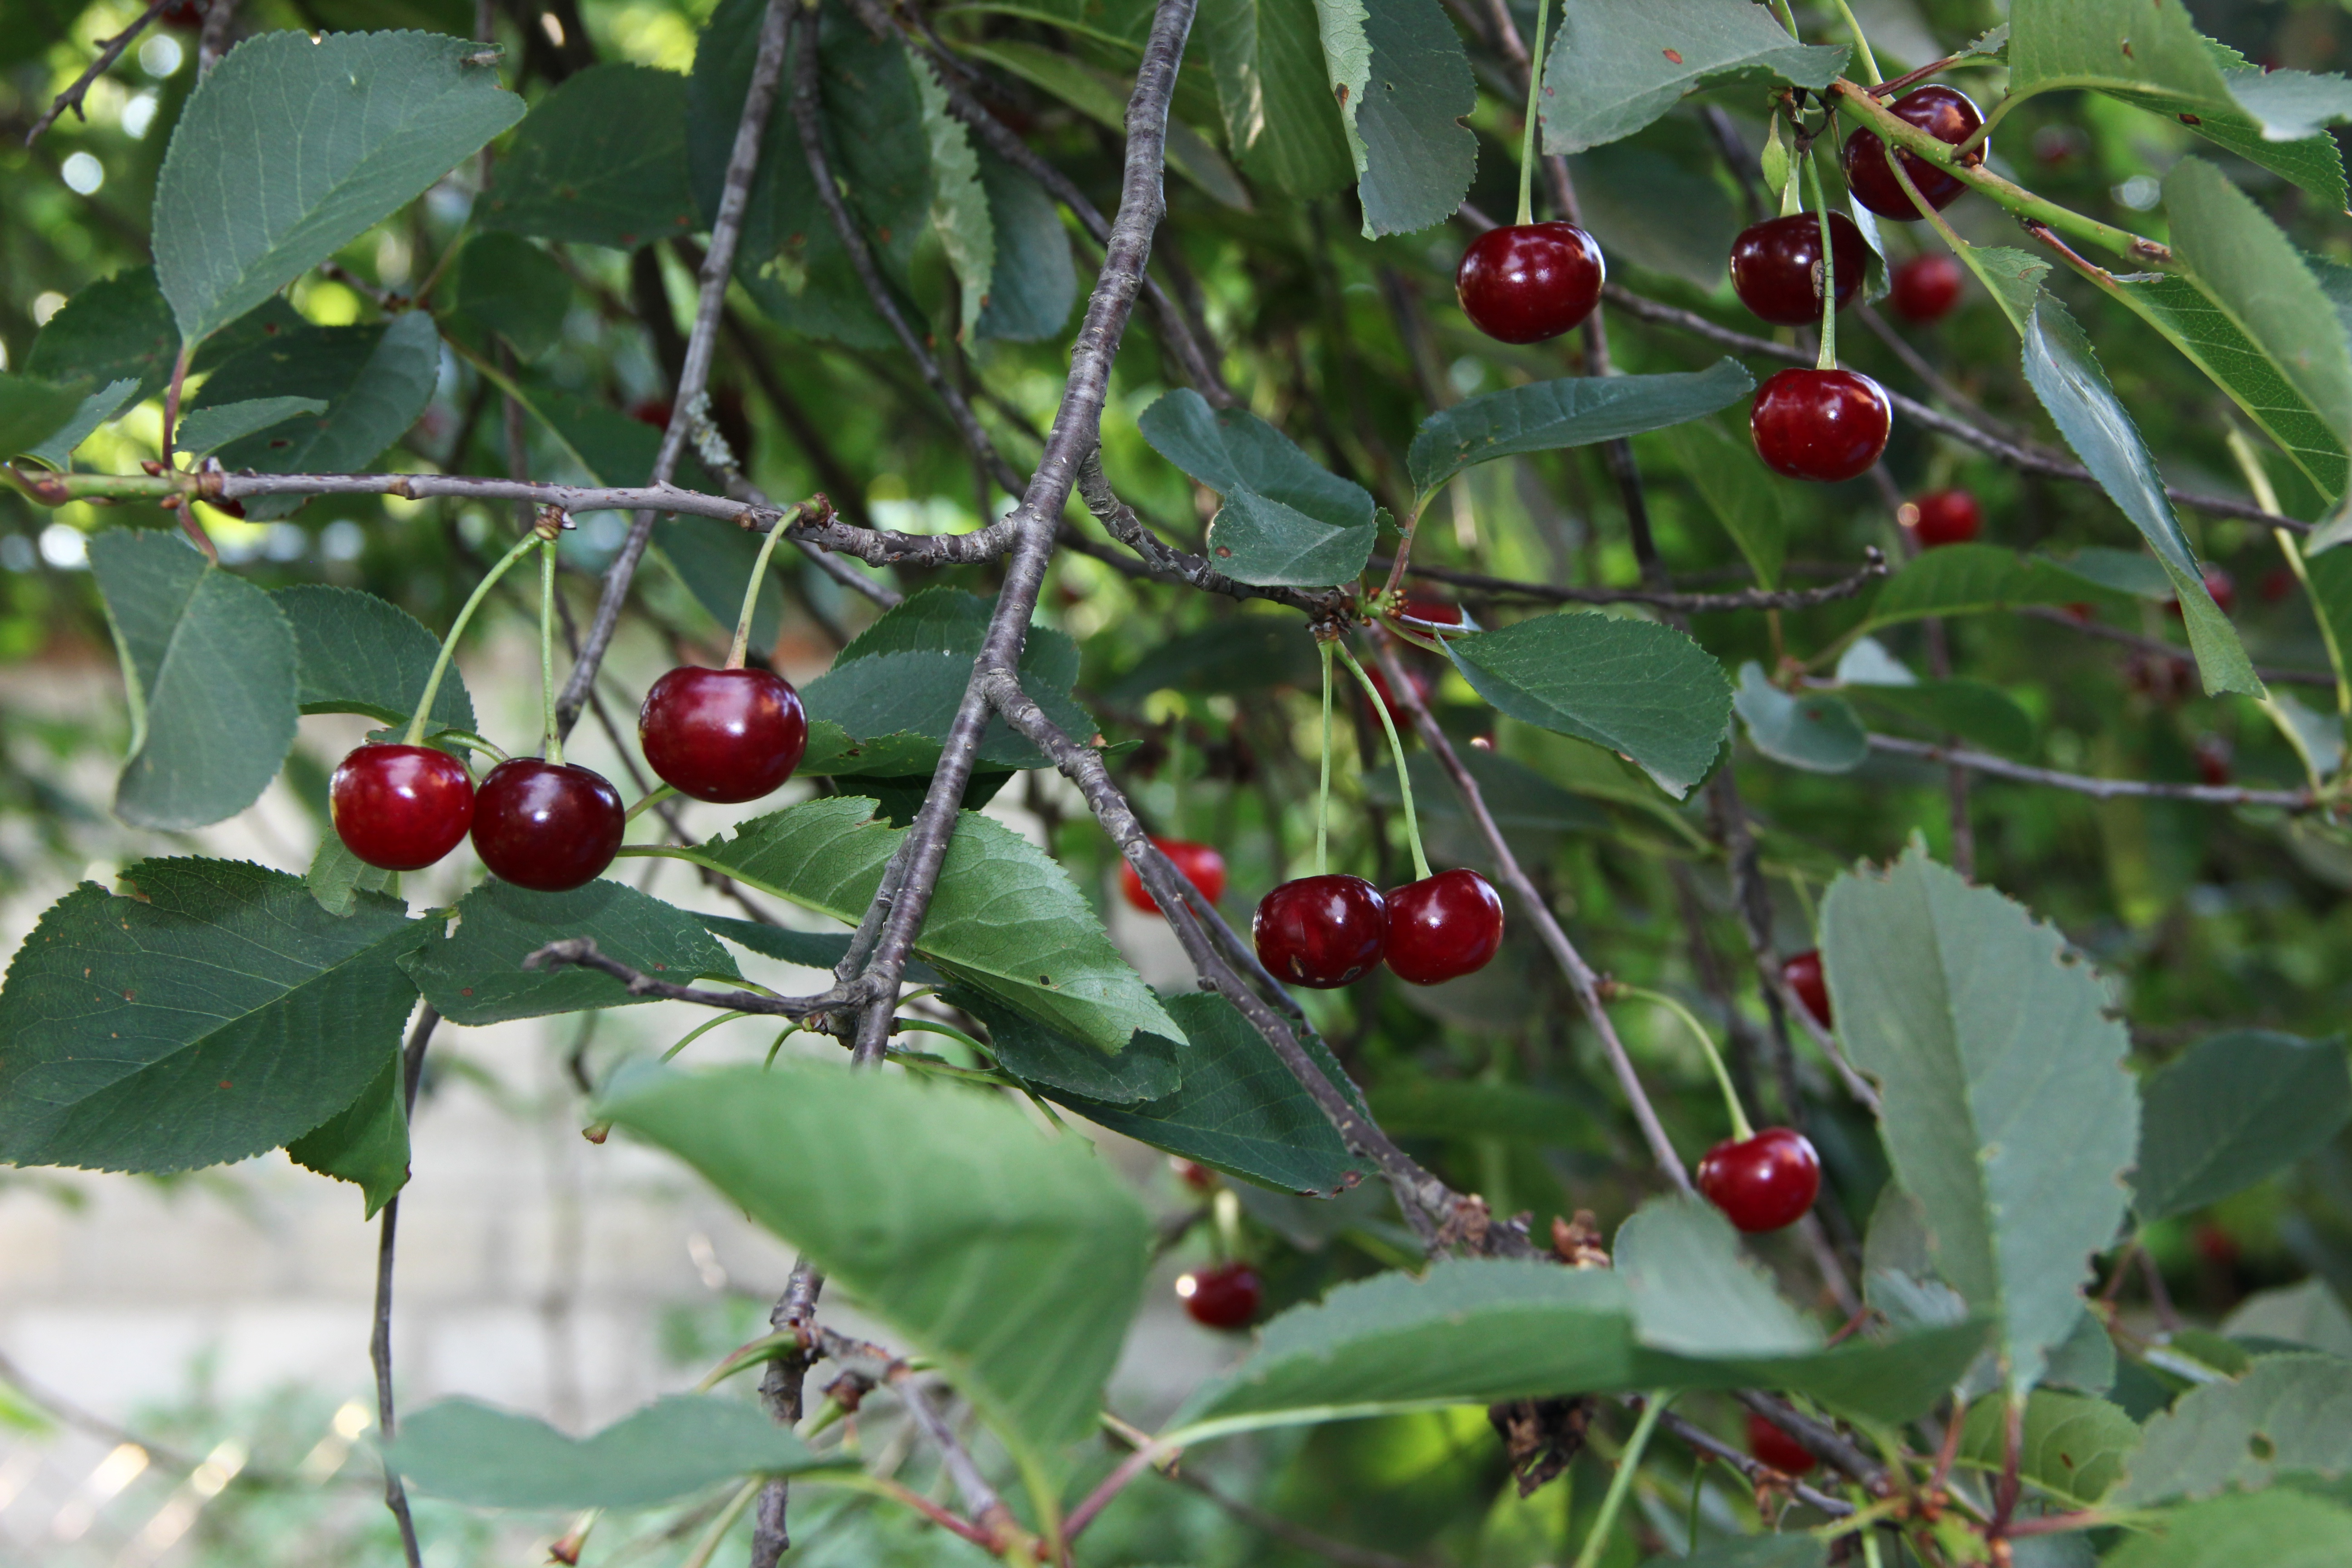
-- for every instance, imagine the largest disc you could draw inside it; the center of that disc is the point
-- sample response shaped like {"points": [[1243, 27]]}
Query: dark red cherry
{"points": [[234, 509], [1947, 114], [1322, 931], [1436, 612], [1802, 973], [1824, 425], [723, 735], [189, 14], [1197, 1176], [401, 808], [653, 411], [1224, 1296], [1444, 927], [2213, 760], [2277, 585], [1762, 1183], [1944, 517], [1527, 282], [1199, 863], [1925, 289], [2218, 583], [1776, 266], [1777, 1448], [1422, 688], [549, 826]]}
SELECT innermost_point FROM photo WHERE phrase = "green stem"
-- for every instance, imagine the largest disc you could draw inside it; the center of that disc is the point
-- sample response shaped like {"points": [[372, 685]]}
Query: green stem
{"points": [[1404, 775], [1861, 45], [1787, 20], [1323, 795], [741, 646], [699, 1031], [651, 797], [708, 1547], [1654, 1404], [1527, 135], [1827, 358], [553, 751], [415, 735], [1740, 1126], [2250, 462]]}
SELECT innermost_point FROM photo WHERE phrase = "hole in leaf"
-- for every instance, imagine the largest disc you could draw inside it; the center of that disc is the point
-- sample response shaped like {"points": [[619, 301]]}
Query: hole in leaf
{"points": [[2262, 1447]]}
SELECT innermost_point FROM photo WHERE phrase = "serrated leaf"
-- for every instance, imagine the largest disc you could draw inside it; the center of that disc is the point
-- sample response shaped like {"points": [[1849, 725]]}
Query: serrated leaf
{"points": [[1660, 205], [33, 410], [1816, 731], [1972, 579], [2232, 1110], [1034, 284], [366, 1142], [1614, 68], [2305, 1314], [2012, 276], [1634, 686], [1975, 711], [1256, 540], [1287, 520], [1147, 1069], [599, 161], [1403, 85], [1102, 98], [208, 666], [515, 289], [361, 654], [2074, 1448], [337, 876], [961, 214], [116, 328], [2007, 1110], [1280, 121], [1012, 1260], [2276, 1529], [470, 1453], [215, 1013], [476, 974], [1574, 411], [105, 404], [2285, 1415], [1736, 492], [216, 424], [293, 145]]}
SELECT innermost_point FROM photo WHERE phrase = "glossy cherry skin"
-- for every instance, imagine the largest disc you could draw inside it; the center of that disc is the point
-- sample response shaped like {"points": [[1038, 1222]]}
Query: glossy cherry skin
{"points": [[1776, 266], [401, 808], [1444, 927], [1201, 864], [1945, 516], [1322, 931], [1526, 282], [1802, 973], [1776, 1448], [1224, 1296], [722, 735], [1924, 289], [549, 826], [1947, 114], [1762, 1183], [1822, 425]]}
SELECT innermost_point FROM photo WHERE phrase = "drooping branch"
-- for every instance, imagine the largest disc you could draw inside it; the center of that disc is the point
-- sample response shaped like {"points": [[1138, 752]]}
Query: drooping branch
{"points": [[109, 51], [2096, 788], [1873, 569]]}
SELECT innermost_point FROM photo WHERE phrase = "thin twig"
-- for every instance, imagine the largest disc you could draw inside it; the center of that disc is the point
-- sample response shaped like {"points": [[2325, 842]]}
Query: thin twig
{"points": [[396, 1496], [2158, 645], [2096, 788], [1170, 564], [1873, 569], [1820, 1440], [1755, 1472], [580, 951], [780, 1391], [220, 16], [109, 51]]}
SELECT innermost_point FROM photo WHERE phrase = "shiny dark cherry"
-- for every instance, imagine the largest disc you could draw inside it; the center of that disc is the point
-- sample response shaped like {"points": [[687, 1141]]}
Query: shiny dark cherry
{"points": [[1526, 282], [1224, 1296], [1945, 516], [1199, 863], [1322, 931], [1947, 114], [1925, 289], [1822, 425], [723, 735], [1801, 973], [401, 808], [1777, 1448], [1776, 266], [549, 826], [1444, 927], [1762, 1183]]}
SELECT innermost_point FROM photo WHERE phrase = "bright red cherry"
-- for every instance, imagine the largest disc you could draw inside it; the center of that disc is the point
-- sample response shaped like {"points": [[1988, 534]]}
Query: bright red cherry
{"points": [[1947, 114], [2218, 583], [1224, 1296], [549, 826], [1199, 863], [1322, 931], [1776, 266], [1444, 927], [401, 808], [1925, 289], [1824, 425], [723, 735], [1527, 282], [1802, 973], [1944, 517], [1762, 1183], [1776, 1448]]}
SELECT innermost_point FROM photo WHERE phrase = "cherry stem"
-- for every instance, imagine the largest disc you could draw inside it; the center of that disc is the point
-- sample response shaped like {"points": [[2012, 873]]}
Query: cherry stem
{"points": [[1404, 775], [1654, 1404], [415, 735], [741, 647], [1741, 1127], [651, 797], [2250, 462], [1323, 795], [1827, 359], [1861, 44], [553, 751], [1527, 133]]}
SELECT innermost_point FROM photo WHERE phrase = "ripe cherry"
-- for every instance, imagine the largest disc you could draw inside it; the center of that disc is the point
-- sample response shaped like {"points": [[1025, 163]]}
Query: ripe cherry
{"points": [[723, 735], [1526, 282], [1776, 266], [189, 14], [1761, 1183], [549, 826], [1322, 931], [1398, 715], [1944, 517], [1444, 927], [1801, 973], [1947, 114], [1777, 1448], [1436, 612], [1925, 289], [401, 808], [2218, 583], [1824, 425], [1193, 1175], [2213, 760], [653, 411], [1224, 1296], [1199, 863], [2277, 585]]}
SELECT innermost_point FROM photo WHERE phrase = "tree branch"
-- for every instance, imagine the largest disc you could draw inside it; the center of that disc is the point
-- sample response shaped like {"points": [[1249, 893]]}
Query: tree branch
{"points": [[1170, 564], [580, 953], [2296, 800], [109, 51], [396, 1496], [1755, 1472], [1873, 569]]}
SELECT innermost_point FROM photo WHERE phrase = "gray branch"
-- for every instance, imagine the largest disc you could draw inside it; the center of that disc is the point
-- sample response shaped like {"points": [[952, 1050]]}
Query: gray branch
{"points": [[1873, 569], [580, 953], [1169, 564], [109, 51], [2096, 788]]}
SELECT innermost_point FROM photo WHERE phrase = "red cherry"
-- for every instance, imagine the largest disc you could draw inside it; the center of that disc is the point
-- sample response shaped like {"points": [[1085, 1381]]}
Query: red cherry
{"points": [[189, 14], [549, 826], [723, 735], [1944, 517], [1947, 114], [1322, 931], [1762, 1183], [2277, 585], [1776, 1448], [1527, 282], [1926, 287], [2213, 760], [401, 808], [1776, 266], [1801, 973], [653, 411], [1199, 864], [1224, 1296], [2218, 583], [1436, 612], [1422, 688], [1824, 425], [1198, 1178], [1444, 927]]}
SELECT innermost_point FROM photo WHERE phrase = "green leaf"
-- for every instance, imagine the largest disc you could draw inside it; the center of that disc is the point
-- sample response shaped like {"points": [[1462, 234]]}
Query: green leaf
{"points": [[2305, 1314], [2232, 1110], [2012, 276], [599, 161], [1660, 205], [2284, 1417], [361, 654], [106, 403], [208, 664], [1036, 283], [337, 876], [1403, 85], [1817, 732], [2276, 1530], [1286, 518], [1971, 579], [1256, 540], [1102, 98], [366, 1142], [1635, 687], [961, 214], [714, 560], [1972, 709], [476, 974], [1574, 411], [1148, 1069], [1614, 68], [216, 426], [32, 411], [2007, 1109], [216, 1012], [2131, 571], [1280, 121], [1232, 653], [1722, 469], [1126, 23], [1012, 1260], [2066, 375], [294, 145], [470, 1453], [1793, 1549], [2074, 1448], [115, 328], [514, 288]]}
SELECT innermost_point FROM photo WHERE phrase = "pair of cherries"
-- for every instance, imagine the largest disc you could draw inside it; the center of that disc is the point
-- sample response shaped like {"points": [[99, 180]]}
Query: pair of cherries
{"points": [[1331, 931]]}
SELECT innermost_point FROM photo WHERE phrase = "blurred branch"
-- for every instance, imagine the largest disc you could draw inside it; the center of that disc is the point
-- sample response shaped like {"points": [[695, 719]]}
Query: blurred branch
{"points": [[2098, 789], [1754, 1470], [109, 51], [1874, 568], [2158, 645]]}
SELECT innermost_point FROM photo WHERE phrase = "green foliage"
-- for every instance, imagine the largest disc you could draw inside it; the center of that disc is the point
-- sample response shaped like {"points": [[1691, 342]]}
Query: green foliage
{"points": [[1397, 69], [1613, 70], [1574, 411], [31, 410], [2074, 1447], [599, 161], [2284, 1417], [1286, 520], [476, 974], [2277, 1528], [1972, 709], [206, 430], [1280, 120], [118, 326], [1817, 732], [366, 1142], [2233, 1110], [515, 289], [1972, 579], [358, 654]]}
